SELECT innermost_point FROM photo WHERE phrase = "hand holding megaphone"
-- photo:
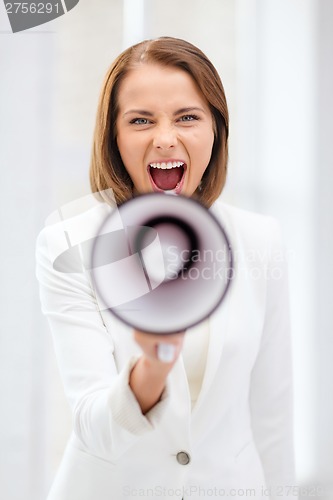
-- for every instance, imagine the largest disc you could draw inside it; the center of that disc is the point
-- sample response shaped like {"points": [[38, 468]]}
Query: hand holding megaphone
{"points": [[148, 376]]}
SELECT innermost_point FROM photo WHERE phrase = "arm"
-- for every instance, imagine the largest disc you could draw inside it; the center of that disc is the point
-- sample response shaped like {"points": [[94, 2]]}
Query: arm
{"points": [[107, 417]]}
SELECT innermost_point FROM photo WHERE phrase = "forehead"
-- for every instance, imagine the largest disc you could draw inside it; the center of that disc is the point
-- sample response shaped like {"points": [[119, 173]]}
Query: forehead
{"points": [[157, 85]]}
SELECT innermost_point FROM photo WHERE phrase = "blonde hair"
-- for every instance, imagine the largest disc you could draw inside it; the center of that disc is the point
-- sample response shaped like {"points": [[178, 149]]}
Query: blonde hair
{"points": [[107, 169]]}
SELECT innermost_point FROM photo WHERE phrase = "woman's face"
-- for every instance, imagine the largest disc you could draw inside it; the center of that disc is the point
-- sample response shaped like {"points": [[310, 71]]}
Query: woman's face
{"points": [[164, 130]]}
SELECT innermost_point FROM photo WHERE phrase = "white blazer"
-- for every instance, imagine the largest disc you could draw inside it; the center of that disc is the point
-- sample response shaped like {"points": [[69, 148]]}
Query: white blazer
{"points": [[238, 439]]}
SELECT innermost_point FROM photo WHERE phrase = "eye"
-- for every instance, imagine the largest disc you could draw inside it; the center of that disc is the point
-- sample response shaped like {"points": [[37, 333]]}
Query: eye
{"points": [[139, 121], [188, 118]]}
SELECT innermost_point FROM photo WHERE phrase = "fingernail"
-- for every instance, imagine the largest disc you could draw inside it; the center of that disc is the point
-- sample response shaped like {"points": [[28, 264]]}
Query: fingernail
{"points": [[166, 352]]}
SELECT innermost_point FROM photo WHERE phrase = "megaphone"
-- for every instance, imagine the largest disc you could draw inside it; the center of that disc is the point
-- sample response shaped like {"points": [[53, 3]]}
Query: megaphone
{"points": [[161, 264]]}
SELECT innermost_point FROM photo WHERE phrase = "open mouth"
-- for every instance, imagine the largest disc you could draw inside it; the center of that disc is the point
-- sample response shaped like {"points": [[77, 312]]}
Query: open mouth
{"points": [[167, 176]]}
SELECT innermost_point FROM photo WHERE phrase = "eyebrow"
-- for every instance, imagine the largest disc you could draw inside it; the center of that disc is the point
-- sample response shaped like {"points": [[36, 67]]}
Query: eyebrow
{"points": [[143, 112]]}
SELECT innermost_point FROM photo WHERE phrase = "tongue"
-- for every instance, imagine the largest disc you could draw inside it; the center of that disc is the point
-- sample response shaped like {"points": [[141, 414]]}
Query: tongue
{"points": [[166, 179]]}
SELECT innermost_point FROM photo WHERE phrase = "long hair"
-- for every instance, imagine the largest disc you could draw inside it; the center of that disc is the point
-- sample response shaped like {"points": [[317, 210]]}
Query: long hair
{"points": [[107, 169]]}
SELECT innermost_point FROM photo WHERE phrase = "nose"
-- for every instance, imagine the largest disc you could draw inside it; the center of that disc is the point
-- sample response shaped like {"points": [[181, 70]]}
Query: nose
{"points": [[165, 137]]}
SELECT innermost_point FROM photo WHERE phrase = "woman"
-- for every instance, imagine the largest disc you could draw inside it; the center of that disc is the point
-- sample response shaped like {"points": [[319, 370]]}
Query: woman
{"points": [[216, 419]]}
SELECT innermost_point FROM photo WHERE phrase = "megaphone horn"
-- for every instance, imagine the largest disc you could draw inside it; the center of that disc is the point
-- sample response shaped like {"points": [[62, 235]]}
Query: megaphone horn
{"points": [[163, 264]]}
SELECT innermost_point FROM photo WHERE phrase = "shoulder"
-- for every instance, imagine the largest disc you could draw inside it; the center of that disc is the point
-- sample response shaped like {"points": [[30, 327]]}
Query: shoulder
{"points": [[63, 256], [248, 229], [72, 225], [243, 220]]}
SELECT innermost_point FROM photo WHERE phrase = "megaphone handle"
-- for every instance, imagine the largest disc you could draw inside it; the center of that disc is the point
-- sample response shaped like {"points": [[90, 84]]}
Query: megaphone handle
{"points": [[166, 352]]}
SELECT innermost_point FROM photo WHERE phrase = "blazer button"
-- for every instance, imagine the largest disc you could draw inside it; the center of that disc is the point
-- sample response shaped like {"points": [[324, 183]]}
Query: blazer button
{"points": [[183, 458]]}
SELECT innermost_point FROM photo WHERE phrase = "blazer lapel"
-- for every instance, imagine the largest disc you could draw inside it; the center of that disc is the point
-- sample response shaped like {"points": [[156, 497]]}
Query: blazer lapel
{"points": [[219, 324]]}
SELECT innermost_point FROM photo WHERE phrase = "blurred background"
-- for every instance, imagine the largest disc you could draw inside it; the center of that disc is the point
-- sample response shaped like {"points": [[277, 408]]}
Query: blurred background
{"points": [[275, 59]]}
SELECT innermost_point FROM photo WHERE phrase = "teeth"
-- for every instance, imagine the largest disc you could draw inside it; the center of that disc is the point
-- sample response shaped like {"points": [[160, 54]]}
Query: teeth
{"points": [[163, 165]]}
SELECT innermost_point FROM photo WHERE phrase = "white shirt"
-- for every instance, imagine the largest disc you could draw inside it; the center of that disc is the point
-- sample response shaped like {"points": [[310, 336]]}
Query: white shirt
{"points": [[195, 351]]}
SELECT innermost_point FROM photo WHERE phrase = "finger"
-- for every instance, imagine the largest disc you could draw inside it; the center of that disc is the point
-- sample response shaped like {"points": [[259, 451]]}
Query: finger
{"points": [[151, 337]]}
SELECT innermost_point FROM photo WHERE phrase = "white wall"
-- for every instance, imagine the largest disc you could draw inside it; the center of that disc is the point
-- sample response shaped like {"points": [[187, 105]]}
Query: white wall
{"points": [[26, 148], [275, 167], [323, 247]]}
